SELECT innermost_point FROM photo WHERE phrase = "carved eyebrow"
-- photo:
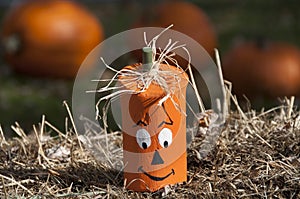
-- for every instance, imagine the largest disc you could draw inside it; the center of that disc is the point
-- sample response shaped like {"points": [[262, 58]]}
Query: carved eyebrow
{"points": [[144, 121], [141, 122], [165, 122]]}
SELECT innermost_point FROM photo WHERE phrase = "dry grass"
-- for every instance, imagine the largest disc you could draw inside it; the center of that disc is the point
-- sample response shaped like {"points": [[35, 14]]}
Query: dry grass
{"points": [[256, 156]]}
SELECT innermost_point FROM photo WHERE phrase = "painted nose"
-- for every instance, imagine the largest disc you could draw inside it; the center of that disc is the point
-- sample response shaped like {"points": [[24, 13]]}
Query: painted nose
{"points": [[157, 159]]}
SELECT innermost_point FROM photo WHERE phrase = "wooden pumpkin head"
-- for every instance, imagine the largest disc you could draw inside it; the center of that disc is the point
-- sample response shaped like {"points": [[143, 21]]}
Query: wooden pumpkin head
{"points": [[154, 133]]}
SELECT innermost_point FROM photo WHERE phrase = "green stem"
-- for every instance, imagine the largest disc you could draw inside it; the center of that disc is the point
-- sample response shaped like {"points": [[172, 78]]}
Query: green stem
{"points": [[147, 58]]}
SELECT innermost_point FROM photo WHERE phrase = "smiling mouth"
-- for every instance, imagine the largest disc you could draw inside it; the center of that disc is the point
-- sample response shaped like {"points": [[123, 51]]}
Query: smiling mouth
{"points": [[155, 178]]}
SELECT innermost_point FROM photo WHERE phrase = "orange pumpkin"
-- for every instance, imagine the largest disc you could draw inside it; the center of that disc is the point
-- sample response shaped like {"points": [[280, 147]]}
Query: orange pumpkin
{"points": [[154, 136], [186, 17], [265, 69], [49, 38]]}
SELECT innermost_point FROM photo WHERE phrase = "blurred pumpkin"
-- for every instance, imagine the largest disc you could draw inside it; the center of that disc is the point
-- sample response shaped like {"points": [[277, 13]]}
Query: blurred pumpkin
{"points": [[263, 69], [49, 38], [186, 17]]}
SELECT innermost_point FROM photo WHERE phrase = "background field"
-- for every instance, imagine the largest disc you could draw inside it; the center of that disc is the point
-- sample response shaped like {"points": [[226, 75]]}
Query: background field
{"points": [[25, 99]]}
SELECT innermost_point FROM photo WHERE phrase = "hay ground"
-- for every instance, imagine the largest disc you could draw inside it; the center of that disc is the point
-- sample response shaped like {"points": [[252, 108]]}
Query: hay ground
{"points": [[256, 156]]}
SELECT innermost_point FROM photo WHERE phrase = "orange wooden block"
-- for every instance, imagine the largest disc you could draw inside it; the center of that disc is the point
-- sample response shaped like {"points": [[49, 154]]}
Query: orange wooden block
{"points": [[154, 131]]}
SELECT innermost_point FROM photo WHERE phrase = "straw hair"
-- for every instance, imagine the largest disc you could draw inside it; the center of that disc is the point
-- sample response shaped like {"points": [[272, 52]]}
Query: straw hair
{"points": [[135, 79]]}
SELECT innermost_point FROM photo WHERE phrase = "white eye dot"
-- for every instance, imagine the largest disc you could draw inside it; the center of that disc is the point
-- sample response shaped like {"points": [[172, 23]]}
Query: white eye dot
{"points": [[143, 138], [165, 137]]}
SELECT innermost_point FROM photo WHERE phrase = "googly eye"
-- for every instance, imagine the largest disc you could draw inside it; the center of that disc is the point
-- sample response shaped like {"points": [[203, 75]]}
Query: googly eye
{"points": [[165, 137], [143, 138]]}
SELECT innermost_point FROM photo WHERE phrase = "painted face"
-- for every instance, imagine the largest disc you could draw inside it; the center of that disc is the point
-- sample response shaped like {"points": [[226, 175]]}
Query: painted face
{"points": [[154, 140]]}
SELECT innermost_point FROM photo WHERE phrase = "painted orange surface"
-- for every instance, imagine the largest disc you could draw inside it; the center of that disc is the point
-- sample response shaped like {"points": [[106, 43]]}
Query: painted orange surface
{"points": [[154, 135]]}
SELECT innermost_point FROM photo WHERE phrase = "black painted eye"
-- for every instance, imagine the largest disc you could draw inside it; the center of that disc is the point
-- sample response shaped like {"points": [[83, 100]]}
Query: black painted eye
{"points": [[144, 145], [165, 137], [143, 138], [166, 144]]}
